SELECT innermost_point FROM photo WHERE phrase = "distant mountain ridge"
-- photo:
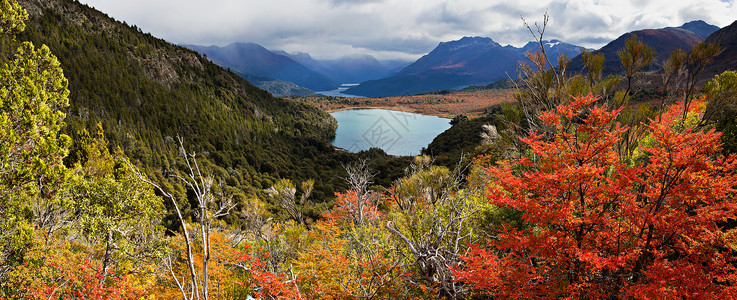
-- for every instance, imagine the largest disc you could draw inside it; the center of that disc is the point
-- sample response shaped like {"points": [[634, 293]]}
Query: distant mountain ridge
{"points": [[250, 58], [664, 41], [355, 68], [457, 64], [727, 58], [350, 68], [700, 28]]}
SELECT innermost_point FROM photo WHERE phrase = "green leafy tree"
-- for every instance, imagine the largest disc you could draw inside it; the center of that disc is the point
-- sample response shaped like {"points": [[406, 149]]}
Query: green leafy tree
{"points": [[597, 83], [33, 93], [116, 211], [12, 18], [721, 109], [431, 218]]}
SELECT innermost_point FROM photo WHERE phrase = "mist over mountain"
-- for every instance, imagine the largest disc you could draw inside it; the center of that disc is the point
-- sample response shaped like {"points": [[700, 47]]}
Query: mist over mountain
{"points": [[355, 68], [250, 58], [350, 68], [457, 64], [303, 58]]}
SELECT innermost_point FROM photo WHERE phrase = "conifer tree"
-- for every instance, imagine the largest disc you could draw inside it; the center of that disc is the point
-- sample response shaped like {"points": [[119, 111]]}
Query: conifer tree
{"points": [[33, 95]]}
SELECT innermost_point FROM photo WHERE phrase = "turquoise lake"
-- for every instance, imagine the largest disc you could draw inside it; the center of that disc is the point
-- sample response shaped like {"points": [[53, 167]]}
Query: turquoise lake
{"points": [[395, 132]]}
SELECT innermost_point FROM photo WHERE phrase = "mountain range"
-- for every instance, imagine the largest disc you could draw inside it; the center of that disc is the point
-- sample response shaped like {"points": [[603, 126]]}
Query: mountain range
{"points": [[251, 58], [349, 69], [451, 65], [287, 74], [457, 64], [663, 41], [477, 60]]}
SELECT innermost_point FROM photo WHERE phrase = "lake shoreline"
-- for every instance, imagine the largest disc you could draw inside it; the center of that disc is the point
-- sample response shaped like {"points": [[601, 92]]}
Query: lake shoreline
{"points": [[470, 103], [397, 132], [394, 108]]}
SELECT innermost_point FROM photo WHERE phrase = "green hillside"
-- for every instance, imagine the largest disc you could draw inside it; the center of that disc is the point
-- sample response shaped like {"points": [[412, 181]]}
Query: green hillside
{"points": [[145, 91]]}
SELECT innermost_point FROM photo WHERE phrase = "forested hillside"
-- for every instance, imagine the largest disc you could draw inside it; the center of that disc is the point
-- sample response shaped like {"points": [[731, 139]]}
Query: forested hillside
{"points": [[145, 91], [574, 191]]}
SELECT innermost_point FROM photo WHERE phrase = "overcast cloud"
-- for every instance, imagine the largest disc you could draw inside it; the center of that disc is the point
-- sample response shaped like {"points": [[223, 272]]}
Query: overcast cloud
{"points": [[401, 28]]}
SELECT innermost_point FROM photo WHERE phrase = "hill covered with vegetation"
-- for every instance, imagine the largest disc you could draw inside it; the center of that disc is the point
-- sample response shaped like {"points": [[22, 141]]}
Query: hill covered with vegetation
{"points": [[145, 92], [573, 192]]}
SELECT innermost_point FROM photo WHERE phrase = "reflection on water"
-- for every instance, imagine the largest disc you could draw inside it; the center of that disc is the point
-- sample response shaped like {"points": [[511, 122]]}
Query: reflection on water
{"points": [[396, 132]]}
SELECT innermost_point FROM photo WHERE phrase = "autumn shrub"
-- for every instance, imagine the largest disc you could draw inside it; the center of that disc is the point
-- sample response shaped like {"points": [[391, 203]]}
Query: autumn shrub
{"points": [[596, 227]]}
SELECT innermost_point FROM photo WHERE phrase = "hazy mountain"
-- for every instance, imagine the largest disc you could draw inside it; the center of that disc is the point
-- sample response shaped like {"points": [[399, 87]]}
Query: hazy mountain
{"points": [[727, 58], [304, 59], [456, 64], [355, 69], [250, 58], [664, 41], [350, 68]]}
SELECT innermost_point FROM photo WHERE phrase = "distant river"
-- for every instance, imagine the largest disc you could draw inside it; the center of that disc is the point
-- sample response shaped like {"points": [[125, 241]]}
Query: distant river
{"points": [[396, 132], [340, 90]]}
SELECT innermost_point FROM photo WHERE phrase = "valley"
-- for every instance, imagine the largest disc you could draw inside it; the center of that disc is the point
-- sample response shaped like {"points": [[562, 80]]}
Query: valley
{"points": [[136, 165], [446, 104]]}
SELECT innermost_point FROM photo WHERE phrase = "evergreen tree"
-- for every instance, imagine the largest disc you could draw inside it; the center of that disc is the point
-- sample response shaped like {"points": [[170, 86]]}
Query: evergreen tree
{"points": [[33, 93]]}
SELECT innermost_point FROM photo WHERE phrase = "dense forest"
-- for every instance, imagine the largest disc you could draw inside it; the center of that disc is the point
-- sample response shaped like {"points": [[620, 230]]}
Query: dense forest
{"points": [[147, 172], [145, 93]]}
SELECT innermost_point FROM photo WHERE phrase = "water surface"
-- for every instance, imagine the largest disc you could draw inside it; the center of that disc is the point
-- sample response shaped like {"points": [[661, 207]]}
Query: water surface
{"points": [[396, 132], [339, 92]]}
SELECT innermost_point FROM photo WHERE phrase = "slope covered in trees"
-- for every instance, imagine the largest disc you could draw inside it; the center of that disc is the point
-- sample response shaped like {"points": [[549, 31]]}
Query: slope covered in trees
{"points": [[576, 197], [145, 92]]}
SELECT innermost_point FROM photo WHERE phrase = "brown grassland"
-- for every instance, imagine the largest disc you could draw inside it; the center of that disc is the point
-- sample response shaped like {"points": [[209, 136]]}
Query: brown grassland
{"points": [[471, 104]]}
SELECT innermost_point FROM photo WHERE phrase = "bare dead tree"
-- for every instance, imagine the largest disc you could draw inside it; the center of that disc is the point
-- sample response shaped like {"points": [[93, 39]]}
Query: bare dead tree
{"points": [[207, 210], [261, 228], [359, 177], [543, 86], [284, 194]]}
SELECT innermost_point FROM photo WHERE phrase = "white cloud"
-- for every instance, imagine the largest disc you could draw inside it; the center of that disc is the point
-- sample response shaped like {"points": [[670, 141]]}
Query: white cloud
{"points": [[406, 28]]}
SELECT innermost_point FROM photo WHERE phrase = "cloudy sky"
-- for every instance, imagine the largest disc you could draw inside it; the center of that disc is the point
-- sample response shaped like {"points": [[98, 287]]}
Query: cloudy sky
{"points": [[403, 29]]}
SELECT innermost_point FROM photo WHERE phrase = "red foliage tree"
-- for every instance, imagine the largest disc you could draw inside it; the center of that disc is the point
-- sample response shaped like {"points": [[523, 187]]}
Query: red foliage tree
{"points": [[595, 227], [352, 207]]}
